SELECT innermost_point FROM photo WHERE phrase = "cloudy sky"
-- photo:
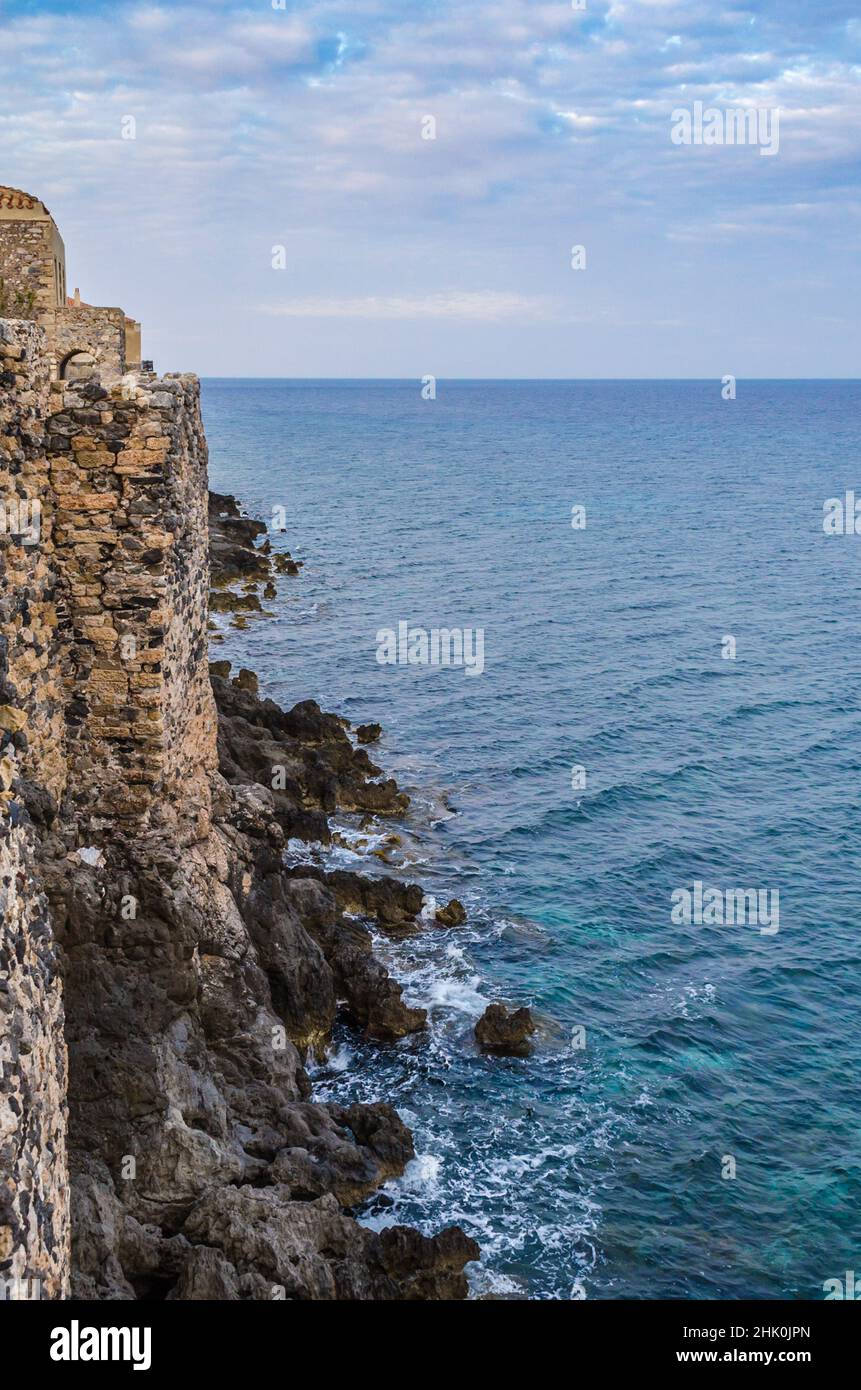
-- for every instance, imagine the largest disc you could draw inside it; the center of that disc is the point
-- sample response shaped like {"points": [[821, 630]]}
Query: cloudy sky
{"points": [[301, 127]]}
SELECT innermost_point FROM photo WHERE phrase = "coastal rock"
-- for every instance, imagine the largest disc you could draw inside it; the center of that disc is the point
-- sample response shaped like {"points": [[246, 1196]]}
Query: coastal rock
{"points": [[305, 757], [372, 999], [311, 1250], [395, 904], [452, 915], [503, 1032], [246, 680], [232, 550], [347, 1151], [368, 733]]}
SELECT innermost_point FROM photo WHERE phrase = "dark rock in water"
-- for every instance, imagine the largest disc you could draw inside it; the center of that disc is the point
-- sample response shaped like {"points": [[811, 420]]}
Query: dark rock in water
{"points": [[226, 601], [312, 1250], [372, 998], [220, 668], [232, 551], [348, 1151], [394, 904], [504, 1032], [303, 756], [368, 733], [314, 767], [452, 915], [270, 591], [246, 680]]}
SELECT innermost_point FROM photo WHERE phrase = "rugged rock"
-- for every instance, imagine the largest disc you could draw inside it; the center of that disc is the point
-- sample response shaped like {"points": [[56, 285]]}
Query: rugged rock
{"points": [[246, 680], [452, 915], [393, 903], [504, 1032], [232, 536], [303, 756], [311, 1250], [368, 733]]}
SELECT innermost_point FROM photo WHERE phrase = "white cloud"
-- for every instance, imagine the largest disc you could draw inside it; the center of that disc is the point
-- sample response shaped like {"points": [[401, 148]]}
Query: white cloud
{"points": [[258, 126]]}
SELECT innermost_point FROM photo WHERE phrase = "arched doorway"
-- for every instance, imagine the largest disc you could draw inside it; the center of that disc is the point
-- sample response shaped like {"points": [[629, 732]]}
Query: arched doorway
{"points": [[77, 365]]}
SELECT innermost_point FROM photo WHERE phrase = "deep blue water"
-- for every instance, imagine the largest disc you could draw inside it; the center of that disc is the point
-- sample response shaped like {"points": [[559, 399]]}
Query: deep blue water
{"points": [[597, 1169]]}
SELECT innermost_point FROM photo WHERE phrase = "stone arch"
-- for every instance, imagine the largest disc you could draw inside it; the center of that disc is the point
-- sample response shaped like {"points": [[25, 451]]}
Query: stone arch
{"points": [[78, 363]]}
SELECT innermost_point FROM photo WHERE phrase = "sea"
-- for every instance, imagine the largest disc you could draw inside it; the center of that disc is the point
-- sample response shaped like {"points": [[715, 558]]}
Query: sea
{"points": [[669, 695]]}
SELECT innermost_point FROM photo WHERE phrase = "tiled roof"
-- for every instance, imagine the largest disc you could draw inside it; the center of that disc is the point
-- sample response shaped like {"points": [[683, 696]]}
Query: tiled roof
{"points": [[17, 198]]}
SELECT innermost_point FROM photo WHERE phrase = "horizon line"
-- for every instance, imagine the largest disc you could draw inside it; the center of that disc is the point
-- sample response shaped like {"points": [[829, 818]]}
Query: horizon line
{"points": [[206, 376]]}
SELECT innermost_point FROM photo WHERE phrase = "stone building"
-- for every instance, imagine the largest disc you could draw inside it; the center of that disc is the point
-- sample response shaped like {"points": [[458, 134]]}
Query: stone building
{"points": [[80, 336]]}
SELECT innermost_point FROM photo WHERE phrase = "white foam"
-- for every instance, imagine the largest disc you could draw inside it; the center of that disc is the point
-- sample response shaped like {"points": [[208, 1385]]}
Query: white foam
{"points": [[422, 1171]]}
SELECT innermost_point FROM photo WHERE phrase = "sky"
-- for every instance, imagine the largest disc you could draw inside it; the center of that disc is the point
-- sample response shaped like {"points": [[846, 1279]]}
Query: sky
{"points": [[301, 124]]}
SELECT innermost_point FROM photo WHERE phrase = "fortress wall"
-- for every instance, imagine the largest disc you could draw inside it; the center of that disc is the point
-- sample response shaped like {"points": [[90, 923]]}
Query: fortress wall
{"points": [[32, 643], [129, 479], [34, 1181], [34, 1185], [106, 708]]}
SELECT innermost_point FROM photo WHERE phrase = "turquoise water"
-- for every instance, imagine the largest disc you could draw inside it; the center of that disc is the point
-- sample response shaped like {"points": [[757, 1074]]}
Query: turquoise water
{"points": [[597, 1170]]}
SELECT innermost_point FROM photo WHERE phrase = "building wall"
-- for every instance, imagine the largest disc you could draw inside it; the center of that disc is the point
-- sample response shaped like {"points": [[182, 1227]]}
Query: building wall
{"points": [[33, 275], [32, 259], [102, 332], [133, 345]]}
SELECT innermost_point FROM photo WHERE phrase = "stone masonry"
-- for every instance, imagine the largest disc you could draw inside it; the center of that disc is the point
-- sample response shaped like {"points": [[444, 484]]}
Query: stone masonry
{"points": [[105, 706], [34, 1183], [128, 480], [33, 286]]}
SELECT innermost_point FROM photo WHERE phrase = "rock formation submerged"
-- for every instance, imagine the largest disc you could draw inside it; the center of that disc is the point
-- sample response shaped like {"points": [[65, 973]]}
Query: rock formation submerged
{"points": [[146, 806]]}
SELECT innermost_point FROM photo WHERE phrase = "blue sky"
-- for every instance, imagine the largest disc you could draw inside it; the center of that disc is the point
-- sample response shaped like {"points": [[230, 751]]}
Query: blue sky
{"points": [[302, 127]]}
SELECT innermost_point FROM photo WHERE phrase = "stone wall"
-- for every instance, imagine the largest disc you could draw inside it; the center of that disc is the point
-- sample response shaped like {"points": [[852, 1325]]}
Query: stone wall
{"points": [[102, 332], [106, 709], [34, 1212], [128, 474], [26, 268], [34, 1180]]}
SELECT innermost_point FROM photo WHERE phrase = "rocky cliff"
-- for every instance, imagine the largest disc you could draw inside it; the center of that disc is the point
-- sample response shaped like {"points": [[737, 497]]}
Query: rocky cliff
{"points": [[162, 977]]}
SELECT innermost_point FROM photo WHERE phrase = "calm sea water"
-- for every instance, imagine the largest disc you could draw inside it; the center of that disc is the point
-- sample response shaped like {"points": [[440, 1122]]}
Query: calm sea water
{"points": [[597, 1170]]}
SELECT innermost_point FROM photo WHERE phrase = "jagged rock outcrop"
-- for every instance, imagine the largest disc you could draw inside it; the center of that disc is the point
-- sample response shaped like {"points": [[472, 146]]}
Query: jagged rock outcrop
{"points": [[506, 1032], [303, 756], [452, 915]]}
